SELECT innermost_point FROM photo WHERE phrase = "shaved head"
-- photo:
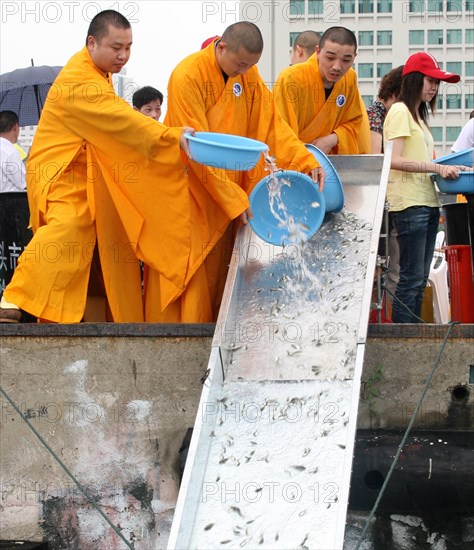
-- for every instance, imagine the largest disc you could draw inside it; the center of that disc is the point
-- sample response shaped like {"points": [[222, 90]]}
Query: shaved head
{"points": [[243, 35], [99, 26], [339, 35]]}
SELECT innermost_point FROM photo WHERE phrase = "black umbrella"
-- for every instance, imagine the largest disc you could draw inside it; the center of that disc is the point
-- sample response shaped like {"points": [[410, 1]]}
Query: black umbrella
{"points": [[24, 91]]}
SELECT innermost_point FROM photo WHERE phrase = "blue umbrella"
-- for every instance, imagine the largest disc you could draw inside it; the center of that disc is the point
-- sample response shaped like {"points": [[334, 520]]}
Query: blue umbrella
{"points": [[24, 92]]}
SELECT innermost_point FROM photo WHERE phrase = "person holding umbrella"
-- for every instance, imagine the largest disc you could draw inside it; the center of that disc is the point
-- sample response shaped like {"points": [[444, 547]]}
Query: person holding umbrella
{"points": [[105, 184]]}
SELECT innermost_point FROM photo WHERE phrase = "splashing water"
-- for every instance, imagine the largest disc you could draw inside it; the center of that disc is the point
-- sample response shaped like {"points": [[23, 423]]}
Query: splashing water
{"points": [[297, 231]]}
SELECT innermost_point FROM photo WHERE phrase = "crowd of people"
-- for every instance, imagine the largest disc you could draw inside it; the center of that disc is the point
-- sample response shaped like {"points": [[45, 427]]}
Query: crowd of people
{"points": [[128, 211]]}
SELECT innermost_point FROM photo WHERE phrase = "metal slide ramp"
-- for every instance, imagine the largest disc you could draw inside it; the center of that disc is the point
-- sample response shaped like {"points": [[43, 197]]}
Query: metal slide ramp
{"points": [[269, 463]]}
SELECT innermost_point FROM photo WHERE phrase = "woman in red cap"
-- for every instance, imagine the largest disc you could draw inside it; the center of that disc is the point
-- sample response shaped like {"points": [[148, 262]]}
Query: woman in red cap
{"points": [[412, 197]]}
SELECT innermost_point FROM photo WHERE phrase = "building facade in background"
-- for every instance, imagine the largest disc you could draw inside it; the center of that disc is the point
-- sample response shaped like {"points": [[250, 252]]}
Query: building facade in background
{"points": [[388, 31]]}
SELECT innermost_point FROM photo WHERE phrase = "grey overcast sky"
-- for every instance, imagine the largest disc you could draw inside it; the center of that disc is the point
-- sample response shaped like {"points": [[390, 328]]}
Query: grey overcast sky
{"points": [[164, 32]]}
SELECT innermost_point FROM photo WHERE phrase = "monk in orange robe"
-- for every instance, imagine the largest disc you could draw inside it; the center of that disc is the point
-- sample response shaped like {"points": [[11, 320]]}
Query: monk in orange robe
{"points": [[100, 175], [320, 99], [219, 89]]}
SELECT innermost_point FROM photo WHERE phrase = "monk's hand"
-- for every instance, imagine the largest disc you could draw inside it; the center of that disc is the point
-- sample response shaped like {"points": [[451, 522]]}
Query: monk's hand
{"points": [[246, 216], [326, 143], [318, 175], [183, 142]]}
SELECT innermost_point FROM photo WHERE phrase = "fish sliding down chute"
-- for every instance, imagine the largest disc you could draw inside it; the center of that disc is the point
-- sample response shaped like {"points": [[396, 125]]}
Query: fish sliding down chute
{"points": [[270, 460]]}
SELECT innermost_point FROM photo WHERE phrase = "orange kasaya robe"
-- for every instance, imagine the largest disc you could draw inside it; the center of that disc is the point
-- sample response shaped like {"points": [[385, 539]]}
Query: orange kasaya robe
{"points": [[100, 175], [199, 97], [299, 95]]}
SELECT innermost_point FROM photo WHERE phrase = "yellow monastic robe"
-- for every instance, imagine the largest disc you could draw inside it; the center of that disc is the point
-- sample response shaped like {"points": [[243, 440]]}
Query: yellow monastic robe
{"points": [[199, 97], [100, 173], [299, 94]]}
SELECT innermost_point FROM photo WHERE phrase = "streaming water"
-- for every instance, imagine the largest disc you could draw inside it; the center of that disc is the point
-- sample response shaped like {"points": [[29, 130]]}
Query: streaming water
{"points": [[298, 310], [296, 231]]}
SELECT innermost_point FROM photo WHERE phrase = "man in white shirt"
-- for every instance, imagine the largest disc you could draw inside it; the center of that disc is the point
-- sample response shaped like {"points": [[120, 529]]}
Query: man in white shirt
{"points": [[12, 167], [466, 137]]}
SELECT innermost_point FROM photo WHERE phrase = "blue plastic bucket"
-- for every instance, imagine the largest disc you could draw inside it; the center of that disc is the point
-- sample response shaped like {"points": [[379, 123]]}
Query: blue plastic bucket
{"points": [[300, 199], [463, 158], [333, 190], [225, 151]]}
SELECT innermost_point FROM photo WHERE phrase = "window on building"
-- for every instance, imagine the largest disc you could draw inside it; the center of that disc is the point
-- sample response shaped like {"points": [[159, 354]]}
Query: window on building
{"points": [[315, 7], [440, 103], [454, 5], [435, 36], [453, 101], [469, 36], [384, 38], [469, 101], [437, 133], [454, 67], [416, 6], [383, 68], [347, 6], [435, 5], [293, 36], [416, 38], [297, 7], [368, 100], [365, 70], [366, 38], [384, 6], [469, 68], [366, 6], [452, 133], [469, 5], [454, 36]]}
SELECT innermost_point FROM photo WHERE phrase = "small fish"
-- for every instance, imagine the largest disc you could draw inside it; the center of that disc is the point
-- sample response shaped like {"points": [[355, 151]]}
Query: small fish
{"points": [[236, 510]]}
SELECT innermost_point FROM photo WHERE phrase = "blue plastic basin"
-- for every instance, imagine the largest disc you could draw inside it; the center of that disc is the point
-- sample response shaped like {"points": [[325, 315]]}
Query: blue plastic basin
{"points": [[461, 157], [225, 151], [301, 199], [463, 184], [333, 190]]}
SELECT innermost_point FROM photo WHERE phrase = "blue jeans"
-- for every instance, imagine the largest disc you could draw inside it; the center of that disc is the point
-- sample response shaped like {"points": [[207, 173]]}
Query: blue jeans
{"points": [[417, 228]]}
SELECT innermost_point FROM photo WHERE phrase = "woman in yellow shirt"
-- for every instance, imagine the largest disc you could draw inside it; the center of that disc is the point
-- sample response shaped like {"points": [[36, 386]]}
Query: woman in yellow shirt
{"points": [[412, 197]]}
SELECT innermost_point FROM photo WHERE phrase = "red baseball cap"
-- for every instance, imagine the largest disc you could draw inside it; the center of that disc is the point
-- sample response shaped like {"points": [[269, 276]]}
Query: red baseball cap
{"points": [[426, 64]]}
